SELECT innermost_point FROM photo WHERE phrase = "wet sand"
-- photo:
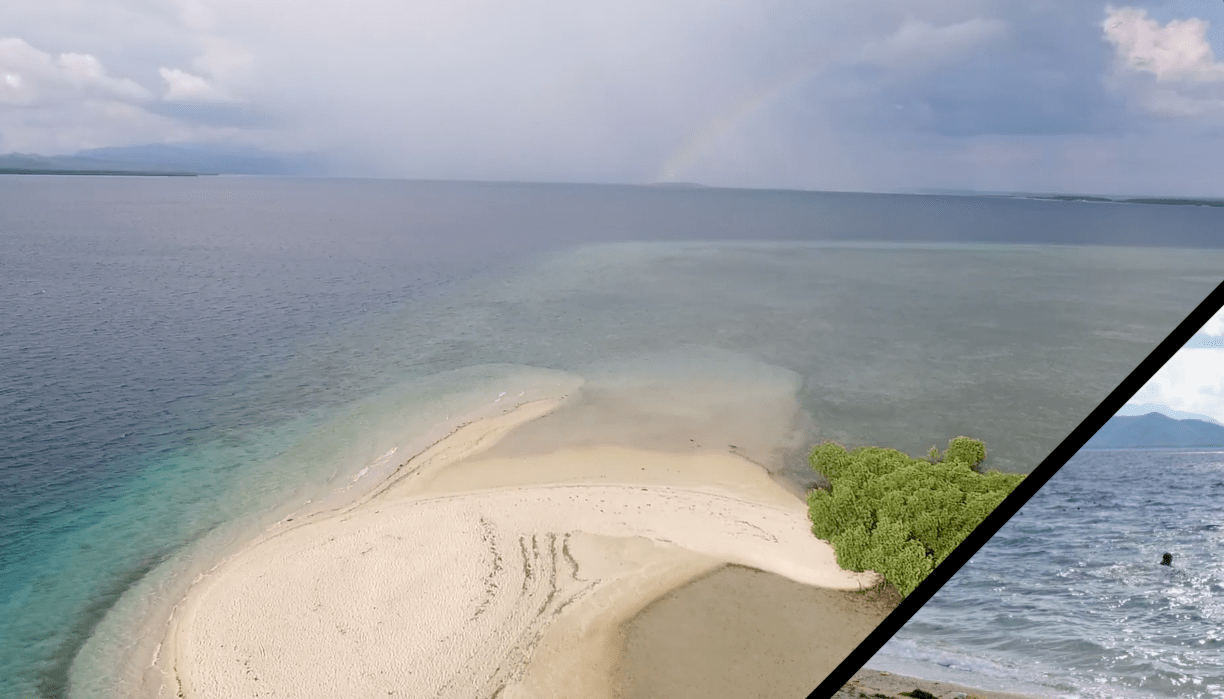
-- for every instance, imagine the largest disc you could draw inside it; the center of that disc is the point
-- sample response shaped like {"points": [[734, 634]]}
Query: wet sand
{"points": [[740, 632], [873, 684]]}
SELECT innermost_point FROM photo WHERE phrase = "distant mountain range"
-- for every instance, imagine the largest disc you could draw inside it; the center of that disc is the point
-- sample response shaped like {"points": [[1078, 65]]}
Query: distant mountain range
{"points": [[1145, 408], [30, 164], [1154, 430], [165, 159]]}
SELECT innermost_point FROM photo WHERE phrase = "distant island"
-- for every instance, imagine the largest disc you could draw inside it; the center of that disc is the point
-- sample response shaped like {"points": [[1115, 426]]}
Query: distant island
{"points": [[1167, 201], [168, 160], [28, 164], [129, 173], [1155, 431], [1084, 198]]}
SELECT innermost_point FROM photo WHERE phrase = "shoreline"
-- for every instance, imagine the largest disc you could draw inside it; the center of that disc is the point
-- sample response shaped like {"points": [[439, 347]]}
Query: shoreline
{"points": [[877, 683], [586, 537]]}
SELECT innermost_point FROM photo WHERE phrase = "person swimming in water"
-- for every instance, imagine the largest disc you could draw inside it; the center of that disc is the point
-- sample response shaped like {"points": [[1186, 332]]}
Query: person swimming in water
{"points": [[1166, 560]]}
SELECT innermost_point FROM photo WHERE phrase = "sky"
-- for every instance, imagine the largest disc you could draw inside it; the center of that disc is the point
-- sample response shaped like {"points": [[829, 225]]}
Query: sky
{"points": [[1193, 379], [849, 95]]}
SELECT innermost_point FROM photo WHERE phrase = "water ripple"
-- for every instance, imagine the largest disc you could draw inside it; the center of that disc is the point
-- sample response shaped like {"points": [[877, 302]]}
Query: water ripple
{"points": [[1116, 618]]}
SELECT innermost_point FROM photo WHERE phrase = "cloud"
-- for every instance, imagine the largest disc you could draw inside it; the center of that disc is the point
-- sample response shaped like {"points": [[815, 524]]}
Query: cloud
{"points": [[547, 90], [52, 130], [1177, 51], [920, 47], [218, 114], [842, 94], [978, 76], [1215, 326], [1191, 381], [30, 77], [68, 102], [220, 72], [182, 86], [1169, 70]]}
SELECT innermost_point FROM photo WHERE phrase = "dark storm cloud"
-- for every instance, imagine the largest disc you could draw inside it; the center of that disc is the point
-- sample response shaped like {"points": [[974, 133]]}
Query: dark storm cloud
{"points": [[869, 94]]}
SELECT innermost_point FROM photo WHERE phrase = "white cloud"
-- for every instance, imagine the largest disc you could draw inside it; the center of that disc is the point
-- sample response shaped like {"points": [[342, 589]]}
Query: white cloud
{"points": [[67, 102], [220, 72], [32, 77], [196, 15], [182, 86], [1167, 70], [62, 103], [1215, 326], [1192, 381], [919, 47], [226, 62], [1178, 51]]}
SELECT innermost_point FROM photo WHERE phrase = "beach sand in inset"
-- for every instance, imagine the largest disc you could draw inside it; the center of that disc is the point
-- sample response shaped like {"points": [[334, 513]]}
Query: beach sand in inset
{"points": [[874, 684]]}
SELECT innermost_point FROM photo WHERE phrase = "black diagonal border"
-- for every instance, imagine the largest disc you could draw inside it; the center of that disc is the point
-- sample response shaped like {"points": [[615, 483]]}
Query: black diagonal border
{"points": [[1027, 488]]}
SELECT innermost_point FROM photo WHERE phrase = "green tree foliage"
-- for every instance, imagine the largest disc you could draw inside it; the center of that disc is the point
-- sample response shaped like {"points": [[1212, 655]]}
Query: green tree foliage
{"points": [[898, 515]]}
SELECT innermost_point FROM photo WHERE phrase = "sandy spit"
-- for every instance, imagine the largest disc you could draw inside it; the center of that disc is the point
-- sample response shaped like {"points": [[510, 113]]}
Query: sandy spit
{"points": [[470, 578]]}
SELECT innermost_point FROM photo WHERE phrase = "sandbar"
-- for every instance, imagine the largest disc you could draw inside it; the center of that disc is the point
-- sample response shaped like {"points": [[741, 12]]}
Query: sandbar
{"points": [[504, 576]]}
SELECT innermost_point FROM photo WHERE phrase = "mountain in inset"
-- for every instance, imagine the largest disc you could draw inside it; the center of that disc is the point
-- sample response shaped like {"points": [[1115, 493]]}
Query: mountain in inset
{"points": [[1145, 408], [1154, 430]]}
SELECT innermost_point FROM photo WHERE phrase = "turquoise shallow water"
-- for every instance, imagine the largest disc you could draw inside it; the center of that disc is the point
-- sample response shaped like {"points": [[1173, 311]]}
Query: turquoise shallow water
{"points": [[182, 358]]}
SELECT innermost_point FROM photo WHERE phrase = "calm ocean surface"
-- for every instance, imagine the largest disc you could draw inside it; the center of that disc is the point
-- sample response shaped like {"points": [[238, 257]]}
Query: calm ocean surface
{"points": [[180, 357], [1069, 597]]}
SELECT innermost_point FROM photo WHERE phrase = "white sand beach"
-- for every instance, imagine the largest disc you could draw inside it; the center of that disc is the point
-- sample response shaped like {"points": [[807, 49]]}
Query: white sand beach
{"points": [[475, 574]]}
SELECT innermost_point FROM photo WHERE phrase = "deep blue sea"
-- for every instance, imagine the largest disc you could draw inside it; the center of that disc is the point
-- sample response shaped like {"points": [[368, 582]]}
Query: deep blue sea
{"points": [[181, 357], [1069, 598]]}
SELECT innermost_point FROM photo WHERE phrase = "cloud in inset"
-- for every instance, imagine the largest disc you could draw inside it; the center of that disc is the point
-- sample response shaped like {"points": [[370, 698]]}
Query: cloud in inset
{"points": [[1191, 381], [1215, 326]]}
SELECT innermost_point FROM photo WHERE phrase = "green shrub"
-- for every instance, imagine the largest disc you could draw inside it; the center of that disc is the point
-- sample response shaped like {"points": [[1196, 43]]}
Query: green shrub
{"points": [[969, 451], [898, 515]]}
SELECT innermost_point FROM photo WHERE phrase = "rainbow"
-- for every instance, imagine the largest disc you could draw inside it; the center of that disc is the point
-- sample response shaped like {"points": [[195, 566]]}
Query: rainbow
{"points": [[717, 129]]}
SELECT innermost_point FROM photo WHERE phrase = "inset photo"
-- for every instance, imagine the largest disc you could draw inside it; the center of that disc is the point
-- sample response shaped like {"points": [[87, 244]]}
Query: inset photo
{"points": [[1108, 582]]}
